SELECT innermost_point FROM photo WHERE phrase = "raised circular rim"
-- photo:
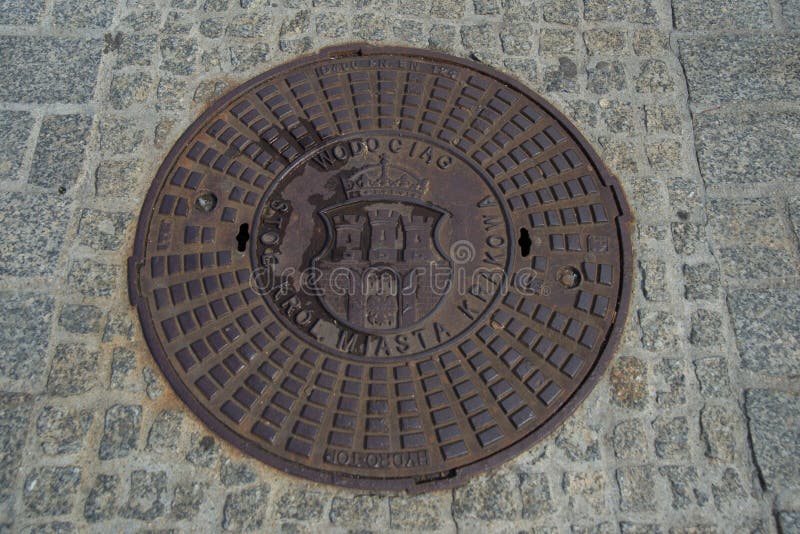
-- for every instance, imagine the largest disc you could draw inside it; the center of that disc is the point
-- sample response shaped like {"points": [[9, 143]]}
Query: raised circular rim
{"points": [[410, 484]]}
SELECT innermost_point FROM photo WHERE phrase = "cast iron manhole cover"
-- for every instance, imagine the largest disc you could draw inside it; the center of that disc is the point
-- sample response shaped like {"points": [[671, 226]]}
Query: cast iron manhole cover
{"points": [[382, 268]]}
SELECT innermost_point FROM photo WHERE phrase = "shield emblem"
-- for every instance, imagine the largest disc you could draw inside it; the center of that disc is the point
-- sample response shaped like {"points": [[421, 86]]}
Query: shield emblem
{"points": [[378, 269]]}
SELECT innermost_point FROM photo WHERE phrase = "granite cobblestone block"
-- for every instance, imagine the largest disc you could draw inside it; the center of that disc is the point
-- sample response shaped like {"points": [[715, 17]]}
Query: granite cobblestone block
{"points": [[746, 68], [48, 70]]}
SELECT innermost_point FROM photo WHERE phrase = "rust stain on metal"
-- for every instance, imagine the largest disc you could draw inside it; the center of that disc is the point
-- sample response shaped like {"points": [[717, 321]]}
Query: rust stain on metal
{"points": [[382, 268]]}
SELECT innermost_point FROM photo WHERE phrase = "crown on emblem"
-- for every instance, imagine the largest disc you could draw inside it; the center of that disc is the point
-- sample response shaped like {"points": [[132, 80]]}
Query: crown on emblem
{"points": [[383, 180]]}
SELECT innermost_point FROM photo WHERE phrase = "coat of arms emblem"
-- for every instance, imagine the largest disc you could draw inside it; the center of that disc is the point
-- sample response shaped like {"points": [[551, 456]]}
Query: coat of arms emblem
{"points": [[379, 267]]}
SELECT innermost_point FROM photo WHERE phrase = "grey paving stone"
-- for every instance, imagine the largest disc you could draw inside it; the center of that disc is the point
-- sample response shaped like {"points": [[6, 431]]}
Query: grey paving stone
{"points": [[712, 375], [691, 15], [246, 57], [620, 117], [414, 513], [640, 11], [417, 8], [82, 318], [301, 505], [147, 495], [53, 527], [101, 503], [789, 521], [73, 371], [179, 55], [620, 155], [129, 88], [24, 332], [605, 77], [743, 147], [585, 491], [187, 499], [654, 77], [120, 136], [659, 330], [671, 373], [62, 430], [204, 452], [627, 527], [479, 37], [790, 11], [525, 69], [662, 118], [773, 418], [684, 486], [245, 509], [51, 490], [636, 488], [578, 441], [515, 38], [537, 500], [765, 324], [136, 49], [746, 68], [671, 438], [236, 473], [117, 178], [83, 13], [687, 238], [728, 490], [487, 497], [358, 510], [486, 7], [794, 215], [177, 23], [604, 41], [334, 25], [718, 431], [562, 77], [165, 433], [32, 228], [121, 431], [152, 383], [629, 441], [605, 527], [123, 362], [103, 230], [409, 31], [701, 281], [654, 280], [557, 41], [707, 329], [15, 415], [119, 325], [650, 42], [17, 12], [58, 158], [13, 141], [664, 156], [93, 279], [448, 9], [48, 70], [628, 380], [561, 11]]}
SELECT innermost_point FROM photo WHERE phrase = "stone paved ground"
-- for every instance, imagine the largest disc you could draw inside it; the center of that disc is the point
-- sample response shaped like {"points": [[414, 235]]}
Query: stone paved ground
{"points": [[694, 104]]}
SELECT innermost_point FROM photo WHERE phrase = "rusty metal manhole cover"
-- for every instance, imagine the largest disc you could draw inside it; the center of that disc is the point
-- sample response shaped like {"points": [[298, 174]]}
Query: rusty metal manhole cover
{"points": [[382, 268]]}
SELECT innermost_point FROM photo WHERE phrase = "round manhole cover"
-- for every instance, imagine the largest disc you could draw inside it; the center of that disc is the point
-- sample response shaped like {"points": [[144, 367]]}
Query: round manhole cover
{"points": [[382, 268]]}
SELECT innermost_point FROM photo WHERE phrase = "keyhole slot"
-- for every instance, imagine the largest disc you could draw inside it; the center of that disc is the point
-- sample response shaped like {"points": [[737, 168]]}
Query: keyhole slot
{"points": [[524, 242], [243, 237]]}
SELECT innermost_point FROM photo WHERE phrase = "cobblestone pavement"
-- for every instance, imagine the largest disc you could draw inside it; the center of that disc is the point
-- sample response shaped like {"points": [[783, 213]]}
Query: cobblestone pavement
{"points": [[694, 104]]}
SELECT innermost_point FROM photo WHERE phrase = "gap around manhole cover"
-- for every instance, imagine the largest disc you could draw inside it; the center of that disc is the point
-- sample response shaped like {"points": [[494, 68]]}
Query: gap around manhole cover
{"points": [[382, 268]]}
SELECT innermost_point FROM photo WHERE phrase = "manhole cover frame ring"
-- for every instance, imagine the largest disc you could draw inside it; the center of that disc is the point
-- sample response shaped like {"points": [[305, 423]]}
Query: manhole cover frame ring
{"points": [[408, 484]]}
